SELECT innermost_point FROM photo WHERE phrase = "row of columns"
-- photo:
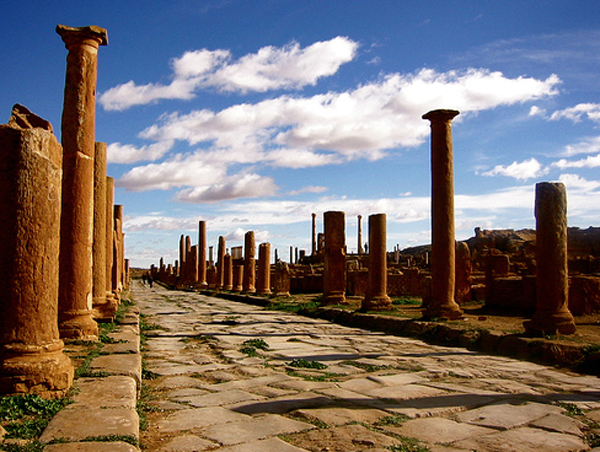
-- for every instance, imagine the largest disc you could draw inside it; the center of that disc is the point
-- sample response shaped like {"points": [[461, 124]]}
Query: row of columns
{"points": [[57, 280]]}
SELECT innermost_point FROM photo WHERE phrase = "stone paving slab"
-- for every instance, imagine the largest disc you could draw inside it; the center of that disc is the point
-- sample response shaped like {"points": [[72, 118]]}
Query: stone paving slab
{"points": [[281, 405], [199, 417], [264, 445], [102, 393], [253, 429], [188, 443], [524, 439], [128, 365], [438, 430], [78, 424], [335, 416], [113, 446], [220, 398]]}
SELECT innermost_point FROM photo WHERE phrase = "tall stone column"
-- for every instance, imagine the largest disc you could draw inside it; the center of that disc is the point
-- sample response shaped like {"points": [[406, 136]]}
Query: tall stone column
{"points": [[314, 234], [249, 277], [78, 140], [109, 228], [103, 308], [227, 272], [376, 296], [181, 256], [552, 314], [220, 262], [193, 264], [334, 276], [442, 304], [119, 238], [359, 249], [202, 284], [31, 352], [263, 280], [238, 278]]}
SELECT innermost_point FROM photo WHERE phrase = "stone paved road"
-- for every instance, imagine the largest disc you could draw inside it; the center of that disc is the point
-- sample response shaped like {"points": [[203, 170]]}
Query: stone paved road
{"points": [[377, 393]]}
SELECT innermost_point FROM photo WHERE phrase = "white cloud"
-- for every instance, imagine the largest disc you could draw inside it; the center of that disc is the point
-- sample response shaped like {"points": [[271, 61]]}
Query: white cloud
{"points": [[521, 171], [118, 153], [234, 187], [578, 112], [536, 111], [288, 67], [309, 189], [591, 161], [589, 145]]}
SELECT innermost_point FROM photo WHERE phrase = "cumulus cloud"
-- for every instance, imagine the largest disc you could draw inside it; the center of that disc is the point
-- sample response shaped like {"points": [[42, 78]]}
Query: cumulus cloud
{"points": [[288, 67], [592, 161], [309, 189], [521, 171], [118, 153], [578, 113], [587, 146], [236, 187]]}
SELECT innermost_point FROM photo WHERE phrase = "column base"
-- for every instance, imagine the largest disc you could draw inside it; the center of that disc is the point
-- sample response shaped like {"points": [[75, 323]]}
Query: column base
{"points": [[104, 308], [449, 311], [376, 303], [78, 325], [33, 369], [249, 291], [548, 323], [264, 293], [333, 298]]}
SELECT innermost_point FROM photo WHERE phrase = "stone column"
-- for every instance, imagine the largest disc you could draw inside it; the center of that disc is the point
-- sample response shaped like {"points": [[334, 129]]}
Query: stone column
{"points": [[291, 254], [442, 304], [202, 255], [238, 275], [103, 308], [360, 249], [119, 258], [78, 140], [248, 285], [187, 266], [314, 234], [552, 314], [220, 262], [110, 194], [263, 280], [31, 353], [334, 276], [227, 272], [181, 256], [462, 291], [193, 264], [376, 296]]}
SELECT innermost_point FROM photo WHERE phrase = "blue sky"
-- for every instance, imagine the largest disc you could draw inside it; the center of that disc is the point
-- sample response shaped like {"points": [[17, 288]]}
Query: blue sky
{"points": [[251, 115]]}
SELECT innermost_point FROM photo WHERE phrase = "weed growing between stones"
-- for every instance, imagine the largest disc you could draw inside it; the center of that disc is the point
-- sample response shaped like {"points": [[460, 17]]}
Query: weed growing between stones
{"points": [[33, 446], [392, 420], [571, 409], [250, 346], [114, 438], [593, 439], [304, 364], [408, 448], [366, 367], [26, 416]]}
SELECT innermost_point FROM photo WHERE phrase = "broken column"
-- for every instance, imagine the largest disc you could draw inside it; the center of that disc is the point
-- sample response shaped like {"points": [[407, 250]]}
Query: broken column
{"points": [[104, 308], [78, 140], [227, 272], [202, 284], [442, 304], [376, 296], [31, 352], [193, 264], [118, 247], [552, 314], [238, 275], [334, 275], [263, 279], [249, 277], [462, 272]]}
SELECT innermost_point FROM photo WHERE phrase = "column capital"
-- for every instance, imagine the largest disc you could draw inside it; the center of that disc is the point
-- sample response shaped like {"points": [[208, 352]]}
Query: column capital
{"points": [[80, 35], [441, 115]]}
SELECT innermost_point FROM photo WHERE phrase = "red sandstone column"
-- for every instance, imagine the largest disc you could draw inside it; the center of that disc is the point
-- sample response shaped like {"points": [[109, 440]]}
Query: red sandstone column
{"points": [[104, 308], [238, 278], [552, 314], [248, 285], [263, 280], [220, 262], [78, 139], [31, 353], [314, 235], [334, 276], [376, 297], [110, 221], [227, 272], [442, 304], [202, 255]]}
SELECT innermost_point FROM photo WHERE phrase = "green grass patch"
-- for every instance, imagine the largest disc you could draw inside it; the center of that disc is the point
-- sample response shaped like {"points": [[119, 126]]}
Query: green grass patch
{"points": [[114, 438], [392, 420], [366, 367], [593, 439], [33, 446], [256, 343], [406, 301], [571, 409], [26, 416], [326, 376], [250, 351], [293, 306], [305, 364]]}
